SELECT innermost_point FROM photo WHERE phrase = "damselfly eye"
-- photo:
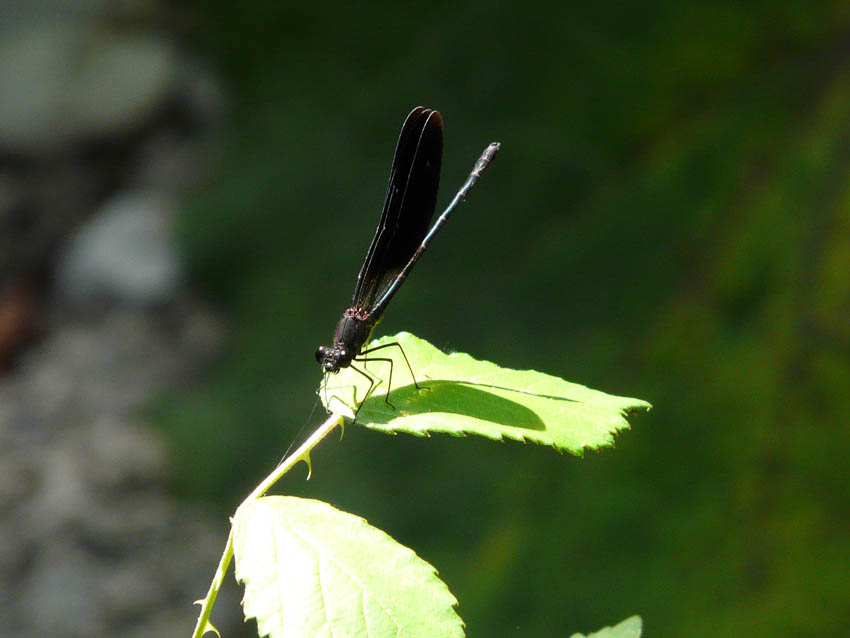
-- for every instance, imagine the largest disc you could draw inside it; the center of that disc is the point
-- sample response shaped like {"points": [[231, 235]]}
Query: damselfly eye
{"points": [[320, 354]]}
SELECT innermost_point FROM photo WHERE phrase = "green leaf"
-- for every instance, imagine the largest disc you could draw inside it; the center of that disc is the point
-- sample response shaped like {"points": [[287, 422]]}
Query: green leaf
{"points": [[462, 395], [629, 628], [312, 570]]}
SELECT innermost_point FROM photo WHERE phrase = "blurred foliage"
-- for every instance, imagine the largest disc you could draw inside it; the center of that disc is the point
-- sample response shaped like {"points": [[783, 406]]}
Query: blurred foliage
{"points": [[669, 218]]}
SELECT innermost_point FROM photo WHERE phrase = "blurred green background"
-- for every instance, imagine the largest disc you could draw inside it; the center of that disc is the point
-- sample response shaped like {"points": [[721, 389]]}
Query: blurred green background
{"points": [[669, 218]]}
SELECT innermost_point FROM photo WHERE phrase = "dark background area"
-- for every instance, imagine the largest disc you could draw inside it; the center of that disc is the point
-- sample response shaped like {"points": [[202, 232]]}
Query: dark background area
{"points": [[669, 218]]}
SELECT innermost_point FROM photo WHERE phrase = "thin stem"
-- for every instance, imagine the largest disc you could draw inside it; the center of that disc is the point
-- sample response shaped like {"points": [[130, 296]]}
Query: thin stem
{"points": [[203, 625], [301, 454]]}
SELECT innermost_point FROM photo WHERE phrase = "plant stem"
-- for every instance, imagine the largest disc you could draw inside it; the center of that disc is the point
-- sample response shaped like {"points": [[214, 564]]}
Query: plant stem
{"points": [[301, 454], [203, 625]]}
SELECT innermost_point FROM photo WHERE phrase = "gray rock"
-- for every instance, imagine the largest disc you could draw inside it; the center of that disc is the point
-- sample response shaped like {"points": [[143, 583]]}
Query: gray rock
{"points": [[65, 82], [17, 15], [91, 541], [91, 544], [58, 590], [124, 253]]}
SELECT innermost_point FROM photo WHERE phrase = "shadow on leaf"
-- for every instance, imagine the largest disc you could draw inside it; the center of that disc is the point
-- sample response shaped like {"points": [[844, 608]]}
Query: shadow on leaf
{"points": [[451, 397]]}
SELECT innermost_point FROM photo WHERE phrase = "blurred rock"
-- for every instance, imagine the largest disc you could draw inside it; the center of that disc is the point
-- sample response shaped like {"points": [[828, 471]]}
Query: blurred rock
{"points": [[20, 15], [124, 253], [57, 592], [65, 82], [90, 542], [103, 124], [101, 112]]}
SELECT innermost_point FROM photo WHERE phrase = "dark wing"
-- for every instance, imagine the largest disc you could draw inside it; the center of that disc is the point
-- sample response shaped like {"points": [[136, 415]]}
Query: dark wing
{"points": [[408, 207]]}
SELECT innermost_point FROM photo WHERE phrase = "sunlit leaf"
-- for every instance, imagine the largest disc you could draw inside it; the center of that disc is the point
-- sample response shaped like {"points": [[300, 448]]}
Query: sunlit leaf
{"points": [[629, 628], [461, 395], [312, 570]]}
